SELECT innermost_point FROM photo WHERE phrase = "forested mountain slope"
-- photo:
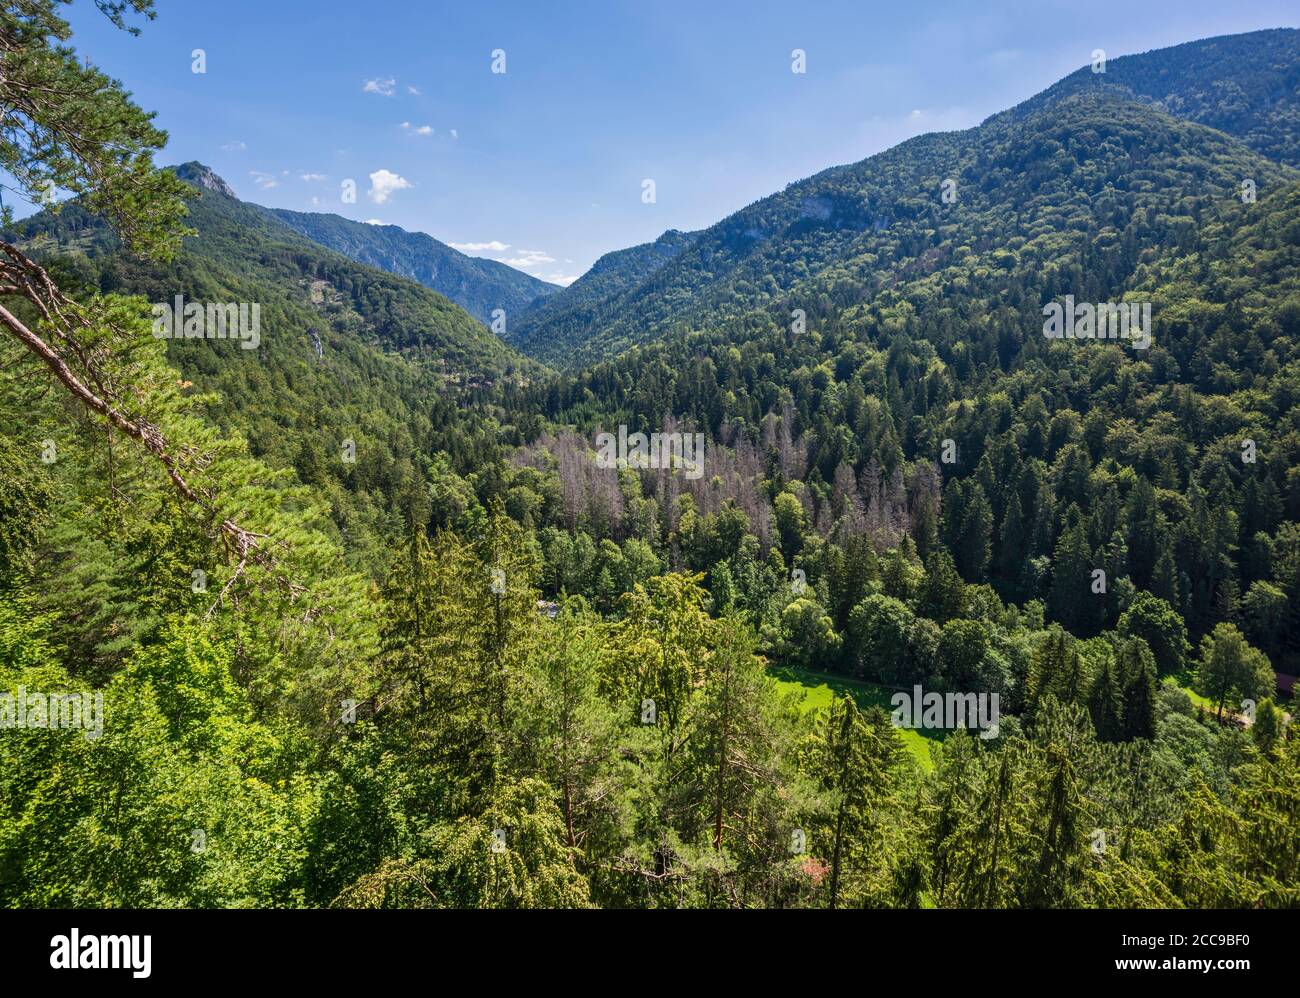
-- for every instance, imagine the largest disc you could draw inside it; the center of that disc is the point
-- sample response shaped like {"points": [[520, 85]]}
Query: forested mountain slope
{"points": [[563, 316], [329, 683], [346, 352], [479, 286], [1066, 455], [1095, 161], [241, 247], [1247, 85]]}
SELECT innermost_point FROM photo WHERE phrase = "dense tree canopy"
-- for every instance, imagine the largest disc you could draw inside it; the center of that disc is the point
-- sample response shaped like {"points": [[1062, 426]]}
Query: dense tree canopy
{"points": [[463, 664]]}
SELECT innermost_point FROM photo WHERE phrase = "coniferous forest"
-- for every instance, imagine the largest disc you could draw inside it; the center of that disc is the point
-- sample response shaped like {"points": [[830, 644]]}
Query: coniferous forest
{"points": [[358, 613]]}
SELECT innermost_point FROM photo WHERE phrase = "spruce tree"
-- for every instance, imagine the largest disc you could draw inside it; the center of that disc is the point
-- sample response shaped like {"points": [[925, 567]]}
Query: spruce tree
{"points": [[852, 760], [1137, 669], [1105, 707]]}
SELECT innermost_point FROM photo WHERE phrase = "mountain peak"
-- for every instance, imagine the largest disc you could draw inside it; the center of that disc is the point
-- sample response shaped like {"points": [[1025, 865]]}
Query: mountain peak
{"points": [[1245, 85], [205, 178]]}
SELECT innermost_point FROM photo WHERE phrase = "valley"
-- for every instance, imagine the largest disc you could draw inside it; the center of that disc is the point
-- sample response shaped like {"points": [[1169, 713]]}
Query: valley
{"points": [[609, 606]]}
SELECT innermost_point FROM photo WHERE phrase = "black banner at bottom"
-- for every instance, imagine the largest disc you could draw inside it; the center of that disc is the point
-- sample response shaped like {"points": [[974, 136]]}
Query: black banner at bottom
{"points": [[144, 948]]}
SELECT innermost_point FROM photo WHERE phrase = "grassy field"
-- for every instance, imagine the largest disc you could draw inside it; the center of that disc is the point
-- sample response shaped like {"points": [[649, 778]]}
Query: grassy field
{"points": [[819, 689], [1183, 681]]}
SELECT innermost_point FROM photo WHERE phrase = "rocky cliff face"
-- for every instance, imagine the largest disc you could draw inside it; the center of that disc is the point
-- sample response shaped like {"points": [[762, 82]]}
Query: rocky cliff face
{"points": [[203, 177]]}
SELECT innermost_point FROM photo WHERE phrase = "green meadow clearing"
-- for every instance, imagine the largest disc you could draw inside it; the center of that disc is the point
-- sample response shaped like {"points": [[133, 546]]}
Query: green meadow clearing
{"points": [[1183, 681], [819, 689]]}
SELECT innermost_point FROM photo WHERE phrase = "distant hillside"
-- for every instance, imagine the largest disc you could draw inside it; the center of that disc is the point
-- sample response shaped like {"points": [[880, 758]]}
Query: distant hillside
{"points": [[1247, 85], [347, 352], [558, 317], [1091, 174], [243, 252], [1108, 164], [476, 285]]}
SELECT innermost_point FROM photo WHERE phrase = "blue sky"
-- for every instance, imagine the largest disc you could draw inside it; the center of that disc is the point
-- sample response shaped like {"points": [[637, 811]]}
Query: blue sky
{"points": [[542, 166]]}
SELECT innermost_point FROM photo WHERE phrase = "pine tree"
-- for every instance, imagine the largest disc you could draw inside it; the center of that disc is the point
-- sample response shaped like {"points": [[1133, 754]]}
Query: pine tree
{"points": [[731, 741], [1056, 873], [948, 801], [852, 760], [1140, 513], [976, 535], [1137, 669], [1105, 707], [943, 594], [1269, 806], [925, 527], [1013, 542], [1057, 669], [1165, 582], [1072, 599], [1269, 726], [995, 834], [579, 740]]}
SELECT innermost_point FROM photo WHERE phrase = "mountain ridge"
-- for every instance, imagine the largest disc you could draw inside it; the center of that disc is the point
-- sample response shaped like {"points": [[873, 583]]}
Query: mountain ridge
{"points": [[1203, 81], [478, 285], [830, 233], [346, 352], [612, 273]]}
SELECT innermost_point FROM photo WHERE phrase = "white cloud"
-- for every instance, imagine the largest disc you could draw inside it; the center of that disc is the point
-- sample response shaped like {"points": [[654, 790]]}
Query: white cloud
{"points": [[312, 178], [492, 247], [263, 180], [383, 183], [417, 129], [236, 146], [375, 221], [455, 134], [383, 87], [530, 258], [563, 280], [413, 91], [522, 259]]}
